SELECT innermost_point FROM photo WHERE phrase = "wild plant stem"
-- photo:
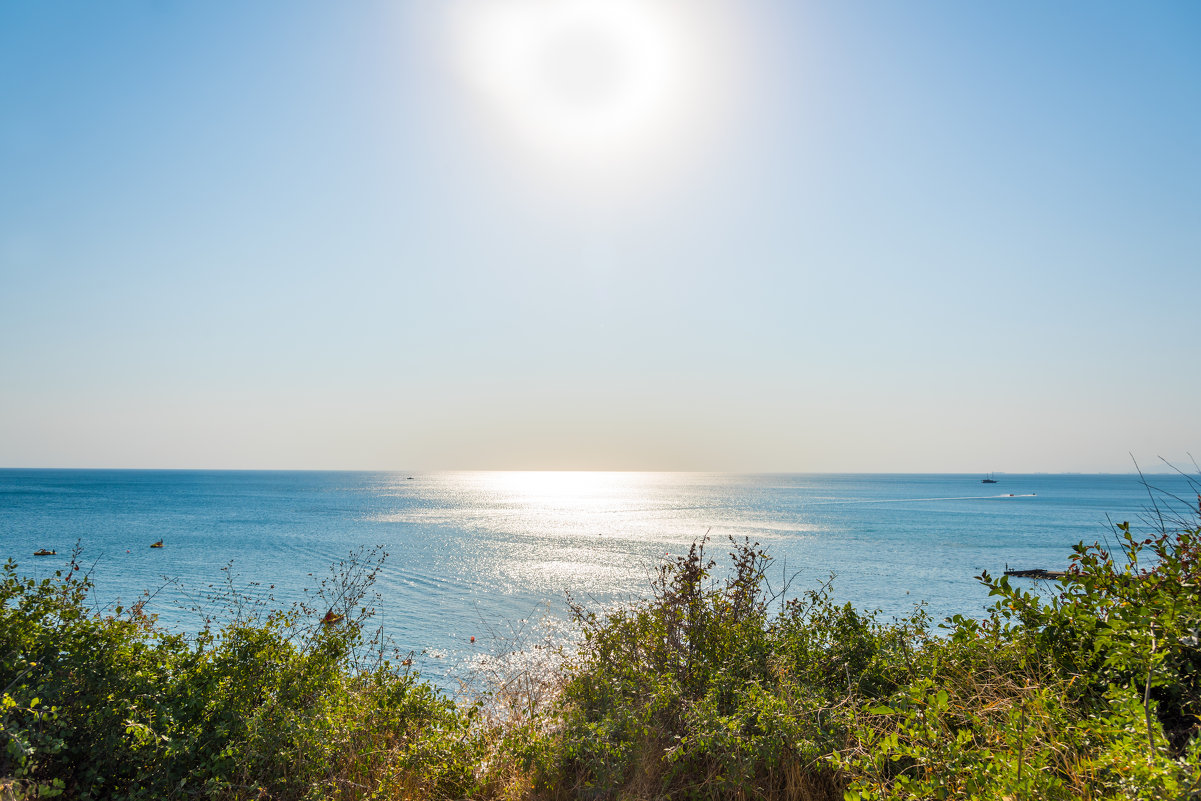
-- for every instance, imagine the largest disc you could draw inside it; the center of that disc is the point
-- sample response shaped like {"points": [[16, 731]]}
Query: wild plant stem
{"points": [[1021, 738], [1147, 698]]}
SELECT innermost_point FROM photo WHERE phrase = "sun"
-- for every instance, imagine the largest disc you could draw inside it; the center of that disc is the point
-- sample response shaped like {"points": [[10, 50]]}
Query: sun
{"points": [[583, 81]]}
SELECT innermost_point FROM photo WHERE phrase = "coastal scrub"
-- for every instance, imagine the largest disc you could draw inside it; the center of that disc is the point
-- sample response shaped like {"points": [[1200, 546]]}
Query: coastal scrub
{"points": [[717, 685]]}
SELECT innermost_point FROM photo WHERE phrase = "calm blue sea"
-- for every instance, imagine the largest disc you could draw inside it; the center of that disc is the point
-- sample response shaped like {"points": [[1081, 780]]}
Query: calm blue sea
{"points": [[471, 554]]}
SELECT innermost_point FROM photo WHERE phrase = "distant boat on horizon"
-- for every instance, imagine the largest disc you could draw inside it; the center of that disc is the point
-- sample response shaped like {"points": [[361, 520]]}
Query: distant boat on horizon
{"points": [[988, 479]]}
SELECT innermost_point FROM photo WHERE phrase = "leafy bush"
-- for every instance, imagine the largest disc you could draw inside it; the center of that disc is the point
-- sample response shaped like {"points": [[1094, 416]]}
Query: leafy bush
{"points": [[715, 686], [702, 691], [1091, 693], [267, 705]]}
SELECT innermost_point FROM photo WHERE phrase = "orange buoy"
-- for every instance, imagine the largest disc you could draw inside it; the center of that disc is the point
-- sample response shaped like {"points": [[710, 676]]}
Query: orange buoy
{"points": [[473, 638]]}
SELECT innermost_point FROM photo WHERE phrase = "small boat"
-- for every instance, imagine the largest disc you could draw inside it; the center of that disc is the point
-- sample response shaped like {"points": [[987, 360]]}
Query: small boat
{"points": [[158, 544], [330, 618], [988, 480], [44, 552]]}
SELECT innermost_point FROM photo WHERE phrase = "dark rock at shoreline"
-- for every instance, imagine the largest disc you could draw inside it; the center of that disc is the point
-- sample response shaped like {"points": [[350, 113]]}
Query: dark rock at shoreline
{"points": [[1037, 573]]}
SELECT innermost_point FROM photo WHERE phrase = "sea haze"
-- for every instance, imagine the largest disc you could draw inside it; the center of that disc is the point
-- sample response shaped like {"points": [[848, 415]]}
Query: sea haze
{"points": [[471, 554]]}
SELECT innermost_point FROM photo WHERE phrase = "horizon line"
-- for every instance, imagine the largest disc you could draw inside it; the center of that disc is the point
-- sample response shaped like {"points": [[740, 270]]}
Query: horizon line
{"points": [[432, 471]]}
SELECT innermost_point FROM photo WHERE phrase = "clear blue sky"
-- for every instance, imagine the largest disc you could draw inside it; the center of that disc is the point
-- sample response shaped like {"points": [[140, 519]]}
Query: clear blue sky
{"points": [[931, 236]]}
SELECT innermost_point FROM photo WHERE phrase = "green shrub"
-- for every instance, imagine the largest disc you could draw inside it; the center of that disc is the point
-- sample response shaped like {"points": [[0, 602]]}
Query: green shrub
{"points": [[1091, 693], [702, 691], [267, 705], [713, 687]]}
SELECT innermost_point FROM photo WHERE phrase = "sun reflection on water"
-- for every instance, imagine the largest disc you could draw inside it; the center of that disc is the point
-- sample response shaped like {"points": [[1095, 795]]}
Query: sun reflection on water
{"points": [[469, 550]]}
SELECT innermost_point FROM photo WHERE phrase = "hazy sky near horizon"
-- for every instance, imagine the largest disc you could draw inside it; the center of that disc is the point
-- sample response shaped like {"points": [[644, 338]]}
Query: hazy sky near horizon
{"points": [[752, 235]]}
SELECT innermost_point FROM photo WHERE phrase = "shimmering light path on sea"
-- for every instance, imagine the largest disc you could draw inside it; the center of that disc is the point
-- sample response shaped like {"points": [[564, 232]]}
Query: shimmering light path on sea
{"points": [[470, 554]]}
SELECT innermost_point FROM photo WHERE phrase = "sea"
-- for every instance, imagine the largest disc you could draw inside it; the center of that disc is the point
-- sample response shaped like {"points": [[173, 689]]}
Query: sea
{"points": [[478, 563]]}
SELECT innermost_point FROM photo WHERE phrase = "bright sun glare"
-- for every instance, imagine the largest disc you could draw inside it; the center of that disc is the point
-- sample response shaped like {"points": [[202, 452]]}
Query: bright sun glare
{"points": [[586, 82]]}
